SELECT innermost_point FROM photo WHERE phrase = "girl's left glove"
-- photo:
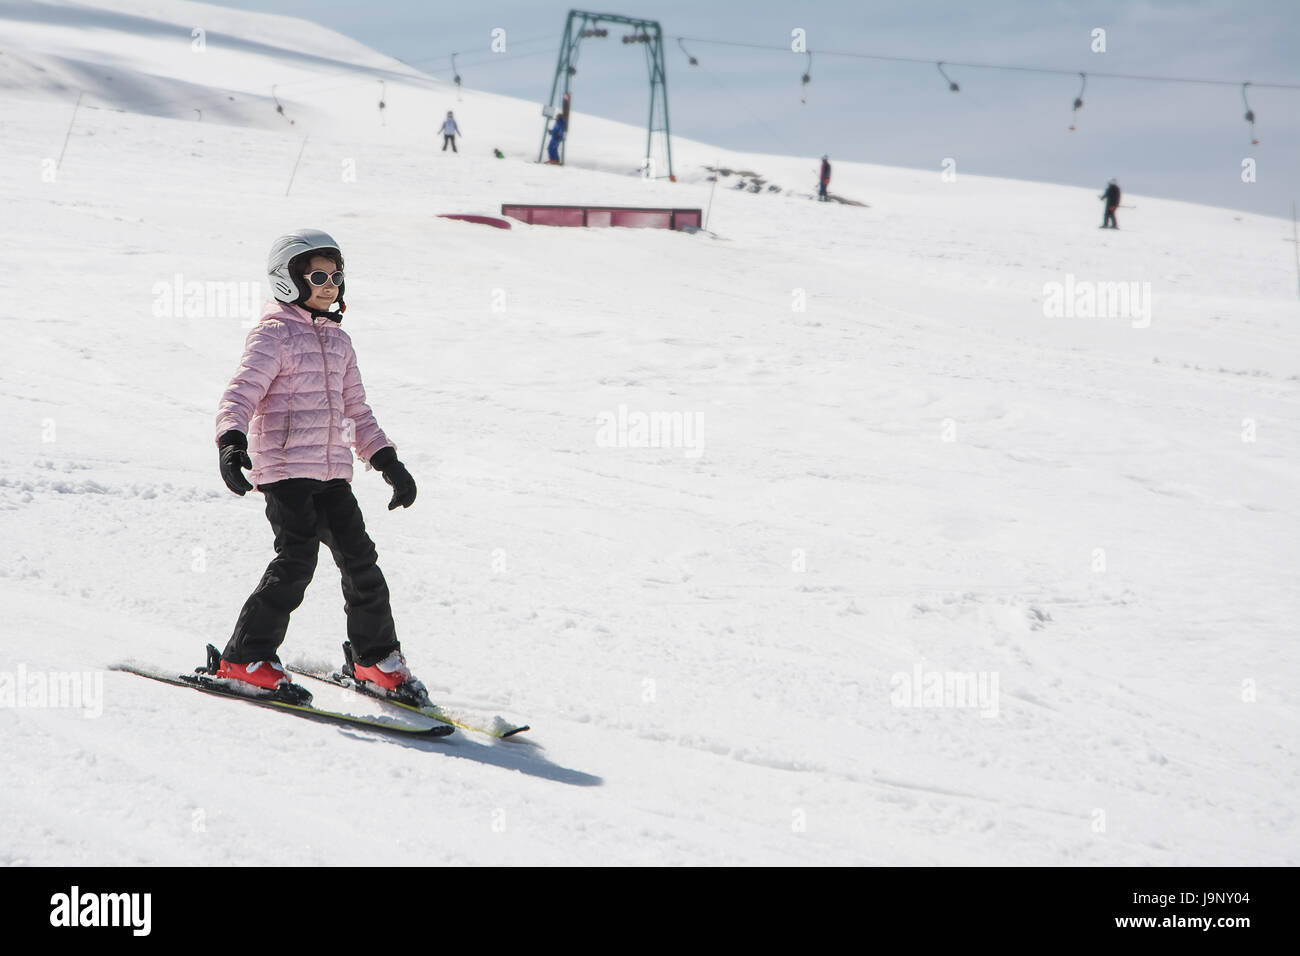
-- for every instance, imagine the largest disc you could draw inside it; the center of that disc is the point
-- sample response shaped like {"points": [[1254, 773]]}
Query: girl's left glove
{"points": [[396, 475]]}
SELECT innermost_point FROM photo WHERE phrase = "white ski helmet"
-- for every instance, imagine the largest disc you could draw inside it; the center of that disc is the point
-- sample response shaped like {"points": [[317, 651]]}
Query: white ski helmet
{"points": [[294, 288]]}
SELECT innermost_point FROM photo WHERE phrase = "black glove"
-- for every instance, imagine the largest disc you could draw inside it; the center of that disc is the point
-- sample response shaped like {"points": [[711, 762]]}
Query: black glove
{"points": [[396, 475], [233, 446]]}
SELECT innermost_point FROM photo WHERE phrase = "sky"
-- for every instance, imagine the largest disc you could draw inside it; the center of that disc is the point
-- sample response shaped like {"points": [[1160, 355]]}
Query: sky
{"points": [[1171, 139]]}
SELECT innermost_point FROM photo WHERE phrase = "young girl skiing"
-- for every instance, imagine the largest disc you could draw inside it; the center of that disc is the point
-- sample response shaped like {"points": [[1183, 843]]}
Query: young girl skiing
{"points": [[292, 414]]}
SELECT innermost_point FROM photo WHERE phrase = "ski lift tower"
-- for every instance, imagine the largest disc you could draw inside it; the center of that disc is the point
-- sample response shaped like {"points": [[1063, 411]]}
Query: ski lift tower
{"points": [[582, 25]]}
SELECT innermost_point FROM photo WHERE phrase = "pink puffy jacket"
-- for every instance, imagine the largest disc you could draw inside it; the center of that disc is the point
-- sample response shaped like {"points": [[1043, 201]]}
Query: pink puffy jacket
{"points": [[298, 398]]}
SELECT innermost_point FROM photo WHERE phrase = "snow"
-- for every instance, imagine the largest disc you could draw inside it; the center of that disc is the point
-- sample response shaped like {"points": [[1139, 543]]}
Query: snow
{"points": [[910, 476]]}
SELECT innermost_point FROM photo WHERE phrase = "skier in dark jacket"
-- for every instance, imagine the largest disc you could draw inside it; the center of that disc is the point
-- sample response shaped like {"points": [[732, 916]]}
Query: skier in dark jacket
{"points": [[1111, 195], [825, 178], [557, 137]]}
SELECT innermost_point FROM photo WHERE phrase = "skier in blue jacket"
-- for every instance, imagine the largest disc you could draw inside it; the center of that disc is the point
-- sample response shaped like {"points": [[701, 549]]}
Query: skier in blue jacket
{"points": [[557, 137], [449, 132]]}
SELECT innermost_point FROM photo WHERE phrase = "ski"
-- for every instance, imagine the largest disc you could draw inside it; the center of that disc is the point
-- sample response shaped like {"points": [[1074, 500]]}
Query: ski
{"points": [[497, 727], [207, 684]]}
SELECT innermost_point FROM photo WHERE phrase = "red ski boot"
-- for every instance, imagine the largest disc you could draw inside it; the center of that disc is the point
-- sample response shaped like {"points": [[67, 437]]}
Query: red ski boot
{"points": [[387, 678], [256, 679], [268, 675]]}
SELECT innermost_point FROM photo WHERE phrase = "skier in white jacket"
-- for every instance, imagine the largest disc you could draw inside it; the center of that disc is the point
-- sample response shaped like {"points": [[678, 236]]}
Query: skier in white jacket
{"points": [[449, 132]]}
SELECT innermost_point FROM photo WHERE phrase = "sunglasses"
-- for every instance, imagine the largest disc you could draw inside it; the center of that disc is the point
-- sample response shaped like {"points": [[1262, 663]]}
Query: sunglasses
{"points": [[320, 277]]}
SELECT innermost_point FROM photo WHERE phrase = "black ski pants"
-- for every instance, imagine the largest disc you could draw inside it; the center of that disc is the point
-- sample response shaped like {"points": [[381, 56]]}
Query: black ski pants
{"points": [[449, 139], [305, 512]]}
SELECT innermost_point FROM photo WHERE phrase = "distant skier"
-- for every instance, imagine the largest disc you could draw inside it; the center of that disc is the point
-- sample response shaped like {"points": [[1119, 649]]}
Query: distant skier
{"points": [[1111, 195], [825, 178], [449, 132], [297, 405], [557, 137]]}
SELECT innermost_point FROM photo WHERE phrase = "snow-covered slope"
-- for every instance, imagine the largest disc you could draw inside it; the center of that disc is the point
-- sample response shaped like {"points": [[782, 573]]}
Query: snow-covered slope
{"points": [[909, 465]]}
